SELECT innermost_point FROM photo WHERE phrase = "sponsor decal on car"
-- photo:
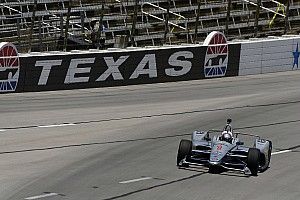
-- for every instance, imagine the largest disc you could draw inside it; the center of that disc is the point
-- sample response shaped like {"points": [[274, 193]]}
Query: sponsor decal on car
{"points": [[219, 147]]}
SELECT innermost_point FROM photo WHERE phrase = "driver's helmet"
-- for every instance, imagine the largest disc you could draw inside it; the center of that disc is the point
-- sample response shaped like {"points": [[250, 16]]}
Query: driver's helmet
{"points": [[226, 136]]}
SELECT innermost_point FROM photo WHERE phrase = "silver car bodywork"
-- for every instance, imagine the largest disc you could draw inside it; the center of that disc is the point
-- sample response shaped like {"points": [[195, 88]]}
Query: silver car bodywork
{"points": [[233, 155]]}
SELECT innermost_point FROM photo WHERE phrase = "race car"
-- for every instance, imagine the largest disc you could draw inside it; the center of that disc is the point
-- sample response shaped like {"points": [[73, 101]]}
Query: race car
{"points": [[225, 150]]}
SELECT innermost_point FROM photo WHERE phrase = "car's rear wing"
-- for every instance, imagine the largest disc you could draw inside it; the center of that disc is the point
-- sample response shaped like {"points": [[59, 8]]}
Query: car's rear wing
{"points": [[247, 134], [234, 133]]}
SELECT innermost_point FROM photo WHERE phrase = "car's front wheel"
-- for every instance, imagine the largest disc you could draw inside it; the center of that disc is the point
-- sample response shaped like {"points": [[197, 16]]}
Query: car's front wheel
{"points": [[253, 160], [184, 150]]}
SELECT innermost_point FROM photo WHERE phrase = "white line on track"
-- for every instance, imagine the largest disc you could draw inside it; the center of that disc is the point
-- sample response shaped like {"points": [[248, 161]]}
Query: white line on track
{"points": [[41, 196], [280, 152], [1, 130], [136, 180], [56, 125]]}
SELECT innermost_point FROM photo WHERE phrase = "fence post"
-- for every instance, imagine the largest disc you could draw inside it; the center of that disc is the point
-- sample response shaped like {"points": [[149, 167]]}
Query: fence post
{"points": [[40, 34], [167, 22], [100, 29], [67, 25], [287, 10], [82, 22], [61, 25], [19, 32], [32, 25], [134, 18], [257, 18], [227, 17], [197, 21]]}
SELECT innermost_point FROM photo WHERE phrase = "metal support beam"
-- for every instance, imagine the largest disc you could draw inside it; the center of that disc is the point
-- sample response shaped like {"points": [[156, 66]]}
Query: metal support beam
{"points": [[257, 17], [32, 25], [67, 25], [287, 10], [197, 20], [227, 16], [100, 30], [167, 22], [134, 18], [262, 7]]}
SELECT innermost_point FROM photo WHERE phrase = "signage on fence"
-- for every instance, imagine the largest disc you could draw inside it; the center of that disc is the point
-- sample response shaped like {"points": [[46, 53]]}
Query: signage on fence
{"points": [[216, 57], [116, 68], [296, 55], [9, 67]]}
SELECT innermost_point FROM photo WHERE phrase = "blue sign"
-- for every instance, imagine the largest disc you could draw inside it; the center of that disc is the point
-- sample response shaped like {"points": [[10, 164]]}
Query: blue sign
{"points": [[296, 55]]}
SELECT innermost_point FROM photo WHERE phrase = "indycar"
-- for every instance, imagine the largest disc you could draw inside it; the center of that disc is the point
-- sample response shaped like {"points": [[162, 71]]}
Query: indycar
{"points": [[225, 151]]}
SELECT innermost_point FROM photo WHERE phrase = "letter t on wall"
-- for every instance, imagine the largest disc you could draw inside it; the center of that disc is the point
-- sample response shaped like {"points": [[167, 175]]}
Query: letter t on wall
{"points": [[47, 65]]}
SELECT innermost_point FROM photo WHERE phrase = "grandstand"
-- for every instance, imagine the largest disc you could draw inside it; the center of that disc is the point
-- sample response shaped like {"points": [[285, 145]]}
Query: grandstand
{"points": [[43, 25]]}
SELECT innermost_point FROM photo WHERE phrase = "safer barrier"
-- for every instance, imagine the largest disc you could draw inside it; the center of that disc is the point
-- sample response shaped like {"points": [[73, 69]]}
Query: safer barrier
{"points": [[271, 54], [115, 67]]}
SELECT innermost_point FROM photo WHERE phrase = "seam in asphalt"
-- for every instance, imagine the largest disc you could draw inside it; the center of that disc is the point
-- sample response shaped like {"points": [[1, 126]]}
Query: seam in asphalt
{"points": [[141, 139], [156, 115]]}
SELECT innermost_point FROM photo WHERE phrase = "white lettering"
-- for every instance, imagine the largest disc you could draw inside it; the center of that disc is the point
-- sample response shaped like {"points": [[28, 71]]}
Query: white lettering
{"points": [[185, 64], [150, 60], [73, 69], [113, 68], [47, 65]]}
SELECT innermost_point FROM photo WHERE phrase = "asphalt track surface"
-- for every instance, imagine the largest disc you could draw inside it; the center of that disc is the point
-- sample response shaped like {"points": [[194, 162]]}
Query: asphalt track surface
{"points": [[121, 143]]}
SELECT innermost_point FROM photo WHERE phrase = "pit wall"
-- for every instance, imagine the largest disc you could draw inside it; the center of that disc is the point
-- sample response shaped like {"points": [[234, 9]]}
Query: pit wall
{"points": [[269, 55]]}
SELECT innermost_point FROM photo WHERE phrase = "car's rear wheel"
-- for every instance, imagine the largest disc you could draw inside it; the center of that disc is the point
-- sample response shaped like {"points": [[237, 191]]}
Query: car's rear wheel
{"points": [[253, 160], [184, 151]]}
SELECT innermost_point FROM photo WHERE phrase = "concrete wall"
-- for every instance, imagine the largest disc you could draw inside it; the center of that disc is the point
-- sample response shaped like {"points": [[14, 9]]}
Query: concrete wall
{"points": [[269, 55], [85, 69]]}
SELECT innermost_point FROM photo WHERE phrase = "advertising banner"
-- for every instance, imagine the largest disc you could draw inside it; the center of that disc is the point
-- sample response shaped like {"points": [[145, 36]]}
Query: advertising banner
{"points": [[122, 67]]}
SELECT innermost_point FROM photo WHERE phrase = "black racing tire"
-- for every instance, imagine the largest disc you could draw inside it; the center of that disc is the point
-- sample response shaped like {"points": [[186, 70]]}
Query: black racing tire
{"points": [[184, 150], [270, 152], [253, 160]]}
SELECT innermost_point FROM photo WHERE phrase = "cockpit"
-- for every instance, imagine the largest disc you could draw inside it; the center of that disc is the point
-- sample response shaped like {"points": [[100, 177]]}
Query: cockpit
{"points": [[227, 134]]}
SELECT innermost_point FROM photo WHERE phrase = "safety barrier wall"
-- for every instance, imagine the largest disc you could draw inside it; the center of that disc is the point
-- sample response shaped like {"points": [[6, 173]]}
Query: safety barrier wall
{"points": [[86, 70], [269, 55], [116, 67]]}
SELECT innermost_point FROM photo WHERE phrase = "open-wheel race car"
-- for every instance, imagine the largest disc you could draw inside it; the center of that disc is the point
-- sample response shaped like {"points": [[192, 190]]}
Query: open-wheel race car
{"points": [[225, 150]]}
